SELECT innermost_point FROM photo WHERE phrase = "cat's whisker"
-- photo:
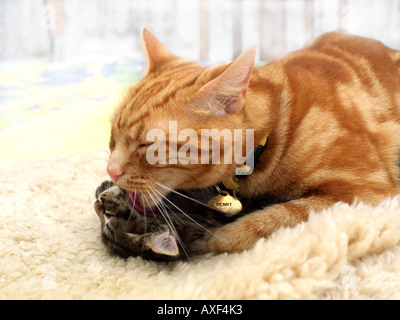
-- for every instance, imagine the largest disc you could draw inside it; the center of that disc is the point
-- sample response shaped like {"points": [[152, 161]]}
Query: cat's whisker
{"points": [[160, 206], [161, 203], [183, 195], [165, 208], [132, 209], [128, 199], [154, 214], [184, 213], [103, 149], [145, 211], [98, 146], [144, 214], [187, 197], [145, 220], [157, 203], [170, 224]]}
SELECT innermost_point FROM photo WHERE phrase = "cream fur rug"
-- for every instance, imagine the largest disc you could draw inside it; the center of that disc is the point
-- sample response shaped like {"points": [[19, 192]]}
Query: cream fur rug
{"points": [[51, 249]]}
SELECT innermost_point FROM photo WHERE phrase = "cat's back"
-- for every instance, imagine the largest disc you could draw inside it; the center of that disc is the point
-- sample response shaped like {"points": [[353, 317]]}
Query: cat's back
{"points": [[341, 71], [338, 114], [361, 54], [341, 58], [334, 66]]}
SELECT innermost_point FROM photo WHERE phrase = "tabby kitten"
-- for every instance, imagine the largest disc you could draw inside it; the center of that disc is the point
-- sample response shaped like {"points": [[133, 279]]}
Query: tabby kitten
{"points": [[331, 113], [164, 234]]}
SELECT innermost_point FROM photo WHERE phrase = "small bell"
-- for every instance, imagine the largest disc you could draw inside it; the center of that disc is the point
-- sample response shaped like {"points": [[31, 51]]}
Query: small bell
{"points": [[226, 203]]}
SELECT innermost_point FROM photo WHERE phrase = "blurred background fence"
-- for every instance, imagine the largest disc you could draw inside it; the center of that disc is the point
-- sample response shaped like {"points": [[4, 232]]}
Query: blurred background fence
{"points": [[201, 29]]}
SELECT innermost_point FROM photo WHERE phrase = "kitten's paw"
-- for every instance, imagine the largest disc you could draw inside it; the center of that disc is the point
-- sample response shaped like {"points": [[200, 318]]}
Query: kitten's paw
{"points": [[104, 186], [111, 199]]}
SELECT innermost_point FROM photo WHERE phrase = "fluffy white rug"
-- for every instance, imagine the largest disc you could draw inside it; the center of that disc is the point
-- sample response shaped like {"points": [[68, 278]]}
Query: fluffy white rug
{"points": [[51, 248]]}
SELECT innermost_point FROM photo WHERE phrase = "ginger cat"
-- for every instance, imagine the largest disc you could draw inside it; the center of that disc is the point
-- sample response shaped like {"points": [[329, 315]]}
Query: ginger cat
{"points": [[331, 113]]}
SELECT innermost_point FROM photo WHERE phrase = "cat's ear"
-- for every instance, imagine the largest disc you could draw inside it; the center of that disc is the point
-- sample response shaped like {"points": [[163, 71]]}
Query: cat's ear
{"points": [[156, 53], [226, 93], [163, 243]]}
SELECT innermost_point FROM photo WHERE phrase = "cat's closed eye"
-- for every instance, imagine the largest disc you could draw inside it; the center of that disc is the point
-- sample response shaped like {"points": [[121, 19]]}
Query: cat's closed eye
{"points": [[144, 145]]}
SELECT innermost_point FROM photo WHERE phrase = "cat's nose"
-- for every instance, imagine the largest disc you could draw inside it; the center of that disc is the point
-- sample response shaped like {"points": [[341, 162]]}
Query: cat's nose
{"points": [[115, 172]]}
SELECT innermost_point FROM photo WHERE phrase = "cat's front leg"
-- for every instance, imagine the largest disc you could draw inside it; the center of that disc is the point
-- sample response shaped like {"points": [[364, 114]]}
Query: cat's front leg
{"points": [[245, 232]]}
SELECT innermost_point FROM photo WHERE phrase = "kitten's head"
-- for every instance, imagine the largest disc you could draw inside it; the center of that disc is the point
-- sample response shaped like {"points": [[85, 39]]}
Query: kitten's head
{"points": [[127, 233], [174, 101]]}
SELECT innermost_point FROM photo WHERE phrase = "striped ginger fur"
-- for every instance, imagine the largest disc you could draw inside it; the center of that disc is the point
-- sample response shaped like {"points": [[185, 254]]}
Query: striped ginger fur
{"points": [[331, 113]]}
